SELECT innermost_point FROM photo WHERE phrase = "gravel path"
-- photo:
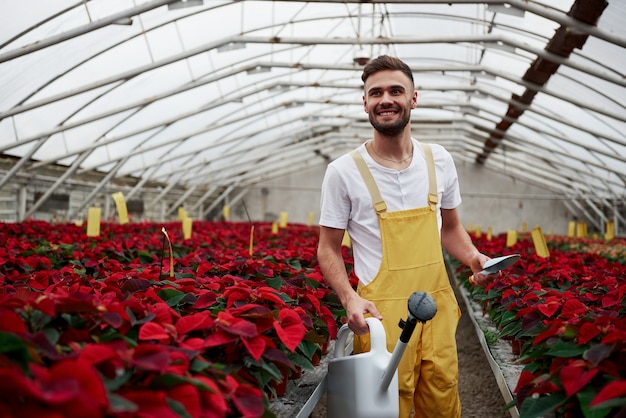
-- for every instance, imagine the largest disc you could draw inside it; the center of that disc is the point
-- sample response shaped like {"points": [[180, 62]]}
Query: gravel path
{"points": [[480, 395]]}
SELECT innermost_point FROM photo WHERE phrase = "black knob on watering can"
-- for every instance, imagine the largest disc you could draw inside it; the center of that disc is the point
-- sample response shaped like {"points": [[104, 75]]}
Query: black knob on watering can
{"points": [[422, 307]]}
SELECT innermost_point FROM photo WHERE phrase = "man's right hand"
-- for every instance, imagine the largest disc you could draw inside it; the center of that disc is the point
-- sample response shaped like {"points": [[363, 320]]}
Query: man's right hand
{"points": [[356, 310]]}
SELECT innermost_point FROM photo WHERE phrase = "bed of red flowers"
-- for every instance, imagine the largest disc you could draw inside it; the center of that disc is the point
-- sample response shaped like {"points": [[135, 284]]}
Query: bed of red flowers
{"points": [[568, 311], [108, 327]]}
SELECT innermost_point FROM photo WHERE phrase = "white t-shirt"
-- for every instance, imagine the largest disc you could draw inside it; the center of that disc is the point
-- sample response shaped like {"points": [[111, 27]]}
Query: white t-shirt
{"points": [[346, 202]]}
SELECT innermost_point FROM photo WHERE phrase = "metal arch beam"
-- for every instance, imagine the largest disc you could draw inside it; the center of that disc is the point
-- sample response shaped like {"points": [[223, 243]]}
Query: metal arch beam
{"points": [[181, 199], [53, 40], [539, 171], [531, 150], [223, 141], [221, 197], [418, 127], [105, 142], [281, 142], [485, 39], [59, 181], [576, 102], [524, 5], [540, 71], [200, 201], [564, 177], [546, 177], [93, 194], [259, 163]]}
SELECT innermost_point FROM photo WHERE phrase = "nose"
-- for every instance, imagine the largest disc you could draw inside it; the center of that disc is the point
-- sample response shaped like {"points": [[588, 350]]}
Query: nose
{"points": [[386, 98]]}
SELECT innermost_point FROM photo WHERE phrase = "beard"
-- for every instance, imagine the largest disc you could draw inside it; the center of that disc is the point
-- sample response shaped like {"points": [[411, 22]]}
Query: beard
{"points": [[392, 128]]}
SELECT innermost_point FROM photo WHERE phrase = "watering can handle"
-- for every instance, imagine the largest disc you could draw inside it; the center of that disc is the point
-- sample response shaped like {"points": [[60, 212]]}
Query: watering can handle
{"points": [[378, 338]]}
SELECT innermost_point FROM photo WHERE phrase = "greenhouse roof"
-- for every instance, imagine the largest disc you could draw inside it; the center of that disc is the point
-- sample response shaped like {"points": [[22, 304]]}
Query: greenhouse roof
{"points": [[232, 93]]}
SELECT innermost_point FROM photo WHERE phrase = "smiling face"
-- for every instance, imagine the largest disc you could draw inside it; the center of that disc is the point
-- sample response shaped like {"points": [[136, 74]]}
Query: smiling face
{"points": [[388, 100]]}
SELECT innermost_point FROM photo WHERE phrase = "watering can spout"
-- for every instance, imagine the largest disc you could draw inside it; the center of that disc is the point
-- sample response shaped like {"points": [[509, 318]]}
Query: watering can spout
{"points": [[422, 307]]}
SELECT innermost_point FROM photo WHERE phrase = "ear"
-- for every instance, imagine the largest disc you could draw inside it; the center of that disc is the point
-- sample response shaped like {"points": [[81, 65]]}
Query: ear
{"points": [[414, 100], [364, 104]]}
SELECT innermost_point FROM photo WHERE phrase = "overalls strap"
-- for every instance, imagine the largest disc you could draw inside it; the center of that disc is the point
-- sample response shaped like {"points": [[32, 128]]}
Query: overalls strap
{"points": [[433, 197], [379, 204]]}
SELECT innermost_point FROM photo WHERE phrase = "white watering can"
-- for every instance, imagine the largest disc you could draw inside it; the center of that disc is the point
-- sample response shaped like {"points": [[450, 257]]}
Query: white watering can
{"points": [[365, 385]]}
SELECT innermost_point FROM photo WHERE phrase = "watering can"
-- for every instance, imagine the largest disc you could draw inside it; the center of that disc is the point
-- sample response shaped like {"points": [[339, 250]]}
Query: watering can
{"points": [[365, 385]]}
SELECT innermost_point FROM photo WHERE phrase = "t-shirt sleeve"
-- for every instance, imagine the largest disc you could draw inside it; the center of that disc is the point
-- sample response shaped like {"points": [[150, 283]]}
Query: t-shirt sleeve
{"points": [[452, 194], [334, 202]]}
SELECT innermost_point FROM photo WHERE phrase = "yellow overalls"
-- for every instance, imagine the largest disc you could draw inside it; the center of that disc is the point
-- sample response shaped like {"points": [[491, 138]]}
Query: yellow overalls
{"points": [[412, 260]]}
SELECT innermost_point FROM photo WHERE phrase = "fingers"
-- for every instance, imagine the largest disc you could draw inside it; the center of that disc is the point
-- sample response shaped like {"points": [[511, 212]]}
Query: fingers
{"points": [[482, 280], [356, 316]]}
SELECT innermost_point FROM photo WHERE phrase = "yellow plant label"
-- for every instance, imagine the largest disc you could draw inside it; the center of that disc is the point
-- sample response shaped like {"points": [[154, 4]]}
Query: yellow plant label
{"points": [[478, 232], [274, 228], [540, 243], [120, 204], [581, 230], [187, 227], [571, 229], [489, 233], [511, 237], [610, 231], [182, 213], [524, 226], [226, 212], [310, 218], [93, 222], [283, 220]]}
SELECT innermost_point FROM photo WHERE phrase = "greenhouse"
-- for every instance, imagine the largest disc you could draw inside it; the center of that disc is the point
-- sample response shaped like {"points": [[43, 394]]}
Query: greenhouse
{"points": [[161, 190]]}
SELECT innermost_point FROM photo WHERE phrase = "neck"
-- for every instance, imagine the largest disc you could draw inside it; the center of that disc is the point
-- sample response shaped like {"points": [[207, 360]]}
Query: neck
{"points": [[394, 152]]}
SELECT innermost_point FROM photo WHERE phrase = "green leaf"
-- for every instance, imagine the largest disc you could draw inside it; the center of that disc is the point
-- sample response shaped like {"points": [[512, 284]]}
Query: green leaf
{"points": [[178, 408], [131, 316], [274, 282], [308, 348], [511, 329], [170, 380], [263, 371], [171, 283], [585, 396], [52, 334], [114, 384], [121, 404], [295, 263], [566, 349], [171, 296], [542, 406], [508, 317], [300, 361], [145, 257], [15, 349]]}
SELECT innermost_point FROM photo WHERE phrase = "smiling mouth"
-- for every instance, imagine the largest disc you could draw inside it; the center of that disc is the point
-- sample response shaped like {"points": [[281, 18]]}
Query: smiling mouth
{"points": [[387, 113]]}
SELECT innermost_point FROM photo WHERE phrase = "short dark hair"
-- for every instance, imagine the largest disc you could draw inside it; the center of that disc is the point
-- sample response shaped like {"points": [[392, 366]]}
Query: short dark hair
{"points": [[385, 62]]}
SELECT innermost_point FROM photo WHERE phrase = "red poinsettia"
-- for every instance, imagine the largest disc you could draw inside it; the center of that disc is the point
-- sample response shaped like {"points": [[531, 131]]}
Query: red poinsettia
{"points": [[204, 341], [568, 311]]}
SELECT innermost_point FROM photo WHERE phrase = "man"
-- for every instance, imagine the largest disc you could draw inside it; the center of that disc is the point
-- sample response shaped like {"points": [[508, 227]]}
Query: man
{"points": [[397, 199]]}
